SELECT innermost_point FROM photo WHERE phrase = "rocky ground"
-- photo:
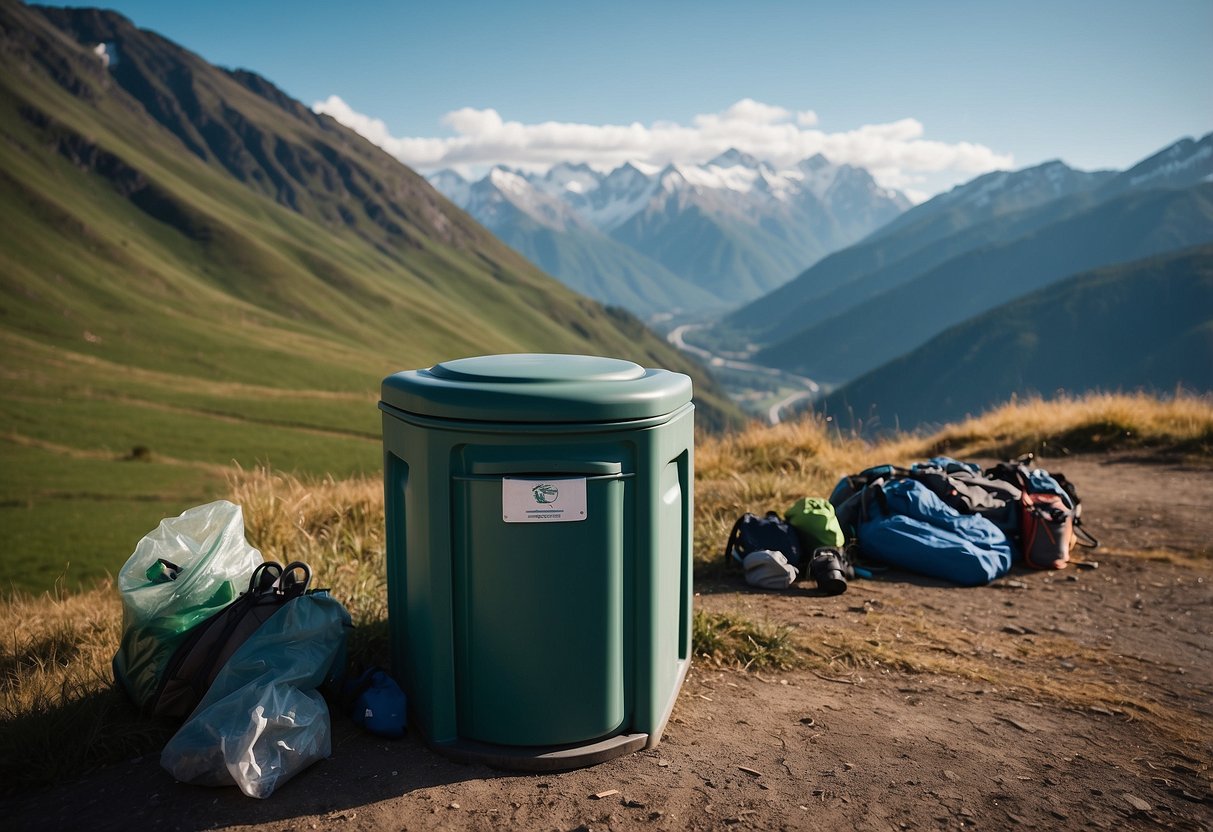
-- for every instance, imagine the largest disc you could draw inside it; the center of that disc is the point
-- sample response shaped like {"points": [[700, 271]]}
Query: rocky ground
{"points": [[1075, 699]]}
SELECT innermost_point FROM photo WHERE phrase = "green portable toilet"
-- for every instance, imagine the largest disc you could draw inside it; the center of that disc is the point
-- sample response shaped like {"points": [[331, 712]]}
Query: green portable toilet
{"points": [[539, 554]]}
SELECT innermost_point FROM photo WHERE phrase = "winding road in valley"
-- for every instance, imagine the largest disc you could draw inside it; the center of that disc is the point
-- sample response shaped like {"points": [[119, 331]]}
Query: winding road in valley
{"points": [[677, 337]]}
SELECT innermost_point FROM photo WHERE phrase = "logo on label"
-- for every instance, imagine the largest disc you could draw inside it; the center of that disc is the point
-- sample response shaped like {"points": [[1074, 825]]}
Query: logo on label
{"points": [[545, 493], [533, 500]]}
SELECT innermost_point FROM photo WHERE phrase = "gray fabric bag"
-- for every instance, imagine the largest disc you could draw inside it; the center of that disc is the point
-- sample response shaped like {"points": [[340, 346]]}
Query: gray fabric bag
{"points": [[768, 569]]}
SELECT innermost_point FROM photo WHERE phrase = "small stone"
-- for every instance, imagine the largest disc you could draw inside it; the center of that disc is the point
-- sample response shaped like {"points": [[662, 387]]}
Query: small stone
{"points": [[951, 775], [1136, 802], [848, 766], [663, 762], [1021, 726], [452, 805]]}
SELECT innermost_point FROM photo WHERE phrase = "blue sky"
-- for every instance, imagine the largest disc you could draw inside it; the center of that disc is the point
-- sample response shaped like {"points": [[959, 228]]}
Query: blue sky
{"points": [[943, 89]]}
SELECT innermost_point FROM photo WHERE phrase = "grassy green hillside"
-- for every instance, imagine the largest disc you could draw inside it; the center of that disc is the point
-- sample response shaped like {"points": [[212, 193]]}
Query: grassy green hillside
{"points": [[1144, 325], [195, 270]]}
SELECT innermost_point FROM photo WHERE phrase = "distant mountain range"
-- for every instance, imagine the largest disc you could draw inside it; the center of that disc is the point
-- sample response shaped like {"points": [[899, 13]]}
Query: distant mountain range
{"points": [[682, 237], [983, 244], [1145, 325]]}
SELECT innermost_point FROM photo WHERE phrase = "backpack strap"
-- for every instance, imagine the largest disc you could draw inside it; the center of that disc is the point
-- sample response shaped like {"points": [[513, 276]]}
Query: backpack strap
{"points": [[1083, 537], [732, 541]]}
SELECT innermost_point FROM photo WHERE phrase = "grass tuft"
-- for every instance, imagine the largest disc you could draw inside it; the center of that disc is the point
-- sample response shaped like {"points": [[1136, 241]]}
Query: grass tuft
{"points": [[727, 639]]}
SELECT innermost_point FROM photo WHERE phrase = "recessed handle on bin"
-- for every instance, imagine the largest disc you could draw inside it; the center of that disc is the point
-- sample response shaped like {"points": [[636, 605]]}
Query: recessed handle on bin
{"points": [[547, 466]]}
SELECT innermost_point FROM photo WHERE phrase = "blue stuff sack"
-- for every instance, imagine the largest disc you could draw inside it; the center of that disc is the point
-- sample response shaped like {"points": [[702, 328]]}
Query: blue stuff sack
{"points": [[907, 525], [380, 704]]}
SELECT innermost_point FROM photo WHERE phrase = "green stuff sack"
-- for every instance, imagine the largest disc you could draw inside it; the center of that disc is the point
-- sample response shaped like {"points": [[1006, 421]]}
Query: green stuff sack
{"points": [[181, 573], [814, 521]]}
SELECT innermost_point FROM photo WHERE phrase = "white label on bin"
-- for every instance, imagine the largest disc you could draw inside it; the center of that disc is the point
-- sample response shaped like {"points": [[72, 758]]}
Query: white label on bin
{"points": [[551, 500]]}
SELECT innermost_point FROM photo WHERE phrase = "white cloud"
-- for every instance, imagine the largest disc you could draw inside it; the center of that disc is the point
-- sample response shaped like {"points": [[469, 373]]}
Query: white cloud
{"points": [[747, 109], [469, 121], [806, 118], [895, 152]]}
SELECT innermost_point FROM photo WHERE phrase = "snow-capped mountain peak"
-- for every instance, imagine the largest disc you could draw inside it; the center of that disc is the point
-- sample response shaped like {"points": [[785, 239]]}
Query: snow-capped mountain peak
{"points": [[574, 178], [814, 163], [509, 182], [734, 157]]}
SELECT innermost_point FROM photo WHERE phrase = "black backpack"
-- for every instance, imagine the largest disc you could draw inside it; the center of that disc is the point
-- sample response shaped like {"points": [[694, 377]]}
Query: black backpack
{"points": [[752, 533], [198, 660]]}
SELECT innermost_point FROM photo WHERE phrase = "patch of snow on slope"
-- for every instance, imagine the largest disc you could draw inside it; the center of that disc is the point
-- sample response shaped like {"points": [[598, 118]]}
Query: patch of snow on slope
{"points": [[1171, 168], [733, 178]]}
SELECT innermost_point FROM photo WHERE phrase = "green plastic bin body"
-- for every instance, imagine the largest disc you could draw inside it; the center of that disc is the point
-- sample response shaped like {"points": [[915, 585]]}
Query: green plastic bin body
{"points": [[539, 554]]}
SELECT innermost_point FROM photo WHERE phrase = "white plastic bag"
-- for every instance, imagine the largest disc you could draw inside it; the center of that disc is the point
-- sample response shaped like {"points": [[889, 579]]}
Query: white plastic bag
{"points": [[184, 571], [262, 721]]}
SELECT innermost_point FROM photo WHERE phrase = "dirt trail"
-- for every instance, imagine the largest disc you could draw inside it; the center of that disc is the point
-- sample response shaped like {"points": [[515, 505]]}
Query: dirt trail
{"points": [[1076, 699]]}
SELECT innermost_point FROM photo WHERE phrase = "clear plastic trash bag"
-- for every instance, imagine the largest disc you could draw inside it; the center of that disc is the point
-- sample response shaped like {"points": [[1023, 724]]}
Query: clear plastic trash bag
{"points": [[187, 569], [262, 721]]}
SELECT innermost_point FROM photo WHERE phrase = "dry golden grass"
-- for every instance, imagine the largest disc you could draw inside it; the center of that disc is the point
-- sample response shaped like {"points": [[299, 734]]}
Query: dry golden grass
{"points": [[58, 711], [1182, 424], [334, 526], [56, 680]]}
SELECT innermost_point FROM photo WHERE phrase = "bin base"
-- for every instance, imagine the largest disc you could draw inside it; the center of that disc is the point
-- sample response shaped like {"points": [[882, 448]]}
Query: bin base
{"points": [[539, 758]]}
